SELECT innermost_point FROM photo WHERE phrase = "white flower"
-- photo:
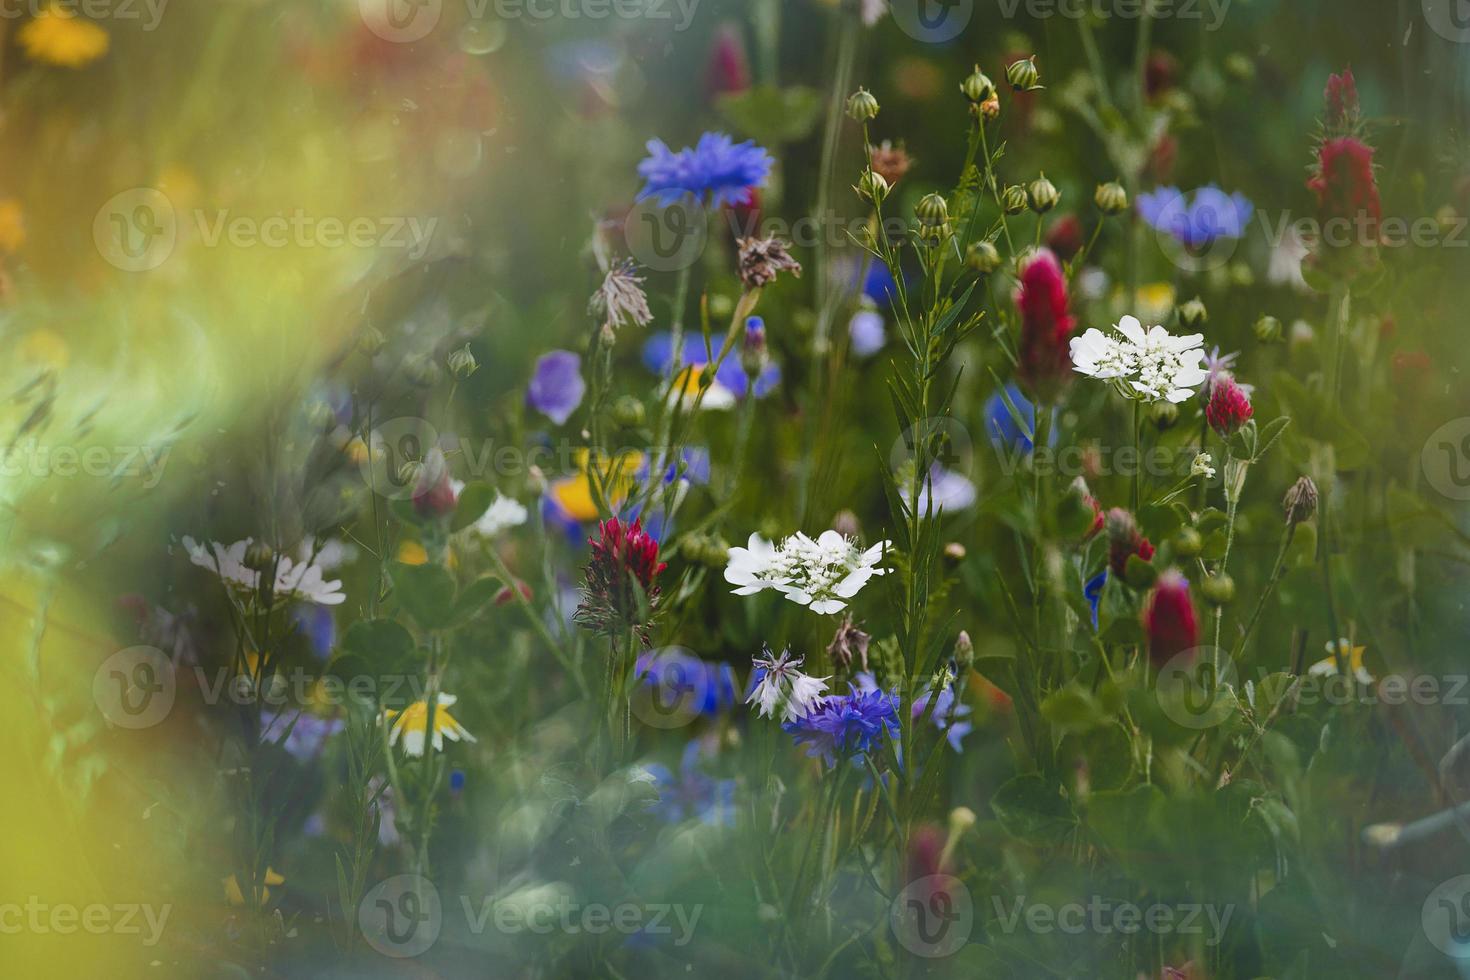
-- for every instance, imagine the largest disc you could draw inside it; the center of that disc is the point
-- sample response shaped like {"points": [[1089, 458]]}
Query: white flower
{"points": [[301, 579], [822, 574], [412, 724], [1149, 365], [1285, 266], [1202, 467], [503, 513], [1351, 655], [785, 687]]}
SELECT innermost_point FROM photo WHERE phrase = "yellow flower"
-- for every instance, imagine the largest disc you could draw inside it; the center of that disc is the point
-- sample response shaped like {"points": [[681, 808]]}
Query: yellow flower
{"points": [[12, 225], [573, 494], [413, 722], [1154, 302], [58, 37], [1354, 657], [234, 896], [414, 553]]}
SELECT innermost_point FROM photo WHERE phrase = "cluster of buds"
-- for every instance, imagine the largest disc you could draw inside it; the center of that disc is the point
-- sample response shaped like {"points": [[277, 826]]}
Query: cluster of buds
{"points": [[981, 91]]}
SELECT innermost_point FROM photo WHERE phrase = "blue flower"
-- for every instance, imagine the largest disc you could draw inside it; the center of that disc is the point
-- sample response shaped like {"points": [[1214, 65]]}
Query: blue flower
{"points": [[847, 725], [731, 382], [692, 794], [556, 387], [708, 685], [717, 170], [308, 732], [954, 727], [1000, 423], [315, 623], [1092, 592], [1212, 214], [866, 330]]}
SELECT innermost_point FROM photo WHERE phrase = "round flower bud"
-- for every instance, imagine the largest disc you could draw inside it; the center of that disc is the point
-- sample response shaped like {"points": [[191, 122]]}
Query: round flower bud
{"points": [[872, 186], [1014, 199], [411, 472], [1042, 195], [1111, 198], [932, 211], [862, 106], [1164, 414], [977, 87], [753, 353], [1188, 543], [1193, 313], [259, 556], [964, 649], [1218, 589], [462, 363], [1023, 75], [628, 412], [1268, 330], [990, 108], [983, 257]]}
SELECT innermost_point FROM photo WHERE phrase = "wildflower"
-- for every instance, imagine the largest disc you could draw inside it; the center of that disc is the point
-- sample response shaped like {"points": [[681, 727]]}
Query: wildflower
{"points": [[1111, 198], [56, 36], [847, 726], [848, 644], [1001, 425], [1147, 365], [890, 162], [235, 896], [945, 490], [866, 331], [947, 714], [822, 574], [620, 299], [412, 725], [780, 685], [1042, 195], [1046, 324], [761, 259], [1300, 503], [569, 500], [1352, 656], [1125, 540], [1092, 592], [717, 171], [712, 683], [1229, 407], [728, 70], [1217, 366], [301, 733], [622, 578], [556, 387], [690, 794], [503, 514], [730, 383], [862, 106], [1169, 618], [294, 579], [1341, 97], [1346, 189], [1198, 223], [1202, 466]]}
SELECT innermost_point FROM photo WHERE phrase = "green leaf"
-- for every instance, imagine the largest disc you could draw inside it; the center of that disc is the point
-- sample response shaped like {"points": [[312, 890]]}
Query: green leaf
{"points": [[771, 115], [1031, 807], [426, 591], [474, 500], [1139, 573], [377, 638], [475, 598], [1072, 709]]}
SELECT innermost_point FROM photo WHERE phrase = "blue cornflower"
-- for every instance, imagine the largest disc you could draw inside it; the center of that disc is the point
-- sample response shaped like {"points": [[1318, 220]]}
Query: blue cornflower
{"points": [[956, 727], [846, 726], [708, 685], [731, 382], [1092, 592], [1212, 214], [691, 794], [1001, 425], [716, 170], [556, 387]]}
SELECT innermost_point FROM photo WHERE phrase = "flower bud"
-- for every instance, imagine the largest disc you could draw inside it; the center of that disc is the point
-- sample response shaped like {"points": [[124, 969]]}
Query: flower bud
{"points": [[1111, 198], [1268, 330], [983, 257], [872, 186], [955, 552], [964, 650], [1301, 501], [628, 412], [259, 556], [1218, 589], [1188, 543], [1042, 195], [1023, 75], [977, 87], [1014, 199], [462, 363], [753, 354], [932, 211], [371, 341], [1163, 414], [1193, 313], [990, 108], [862, 106], [1229, 407], [845, 523], [961, 819], [421, 371], [1169, 619]]}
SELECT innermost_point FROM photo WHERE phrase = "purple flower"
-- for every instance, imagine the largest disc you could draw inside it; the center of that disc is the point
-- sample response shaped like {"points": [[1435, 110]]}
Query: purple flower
{"points": [[730, 380], [847, 725], [691, 794], [557, 387], [308, 732], [1197, 223], [686, 681], [717, 171], [949, 717]]}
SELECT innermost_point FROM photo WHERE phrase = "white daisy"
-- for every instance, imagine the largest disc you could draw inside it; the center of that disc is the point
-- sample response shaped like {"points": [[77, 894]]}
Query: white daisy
{"points": [[822, 574], [294, 579], [412, 725], [784, 687], [1351, 655]]}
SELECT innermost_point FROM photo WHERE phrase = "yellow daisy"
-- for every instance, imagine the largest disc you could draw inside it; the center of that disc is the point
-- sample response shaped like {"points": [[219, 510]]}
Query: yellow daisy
{"points": [[58, 37], [1354, 657], [413, 722], [234, 896]]}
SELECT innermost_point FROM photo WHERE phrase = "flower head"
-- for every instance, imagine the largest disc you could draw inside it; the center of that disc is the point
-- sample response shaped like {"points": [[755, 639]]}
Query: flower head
{"points": [[1169, 618], [1345, 186], [822, 574], [302, 579], [779, 685], [846, 726], [717, 171], [1351, 656], [890, 162], [503, 514], [730, 385], [1301, 501], [1046, 325], [1146, 365], [620, 299], [622, 578], [57, 36], [412, 725], [762, 258], [1196, 223], [1229, 407], [690, 793], [556, 387]]}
